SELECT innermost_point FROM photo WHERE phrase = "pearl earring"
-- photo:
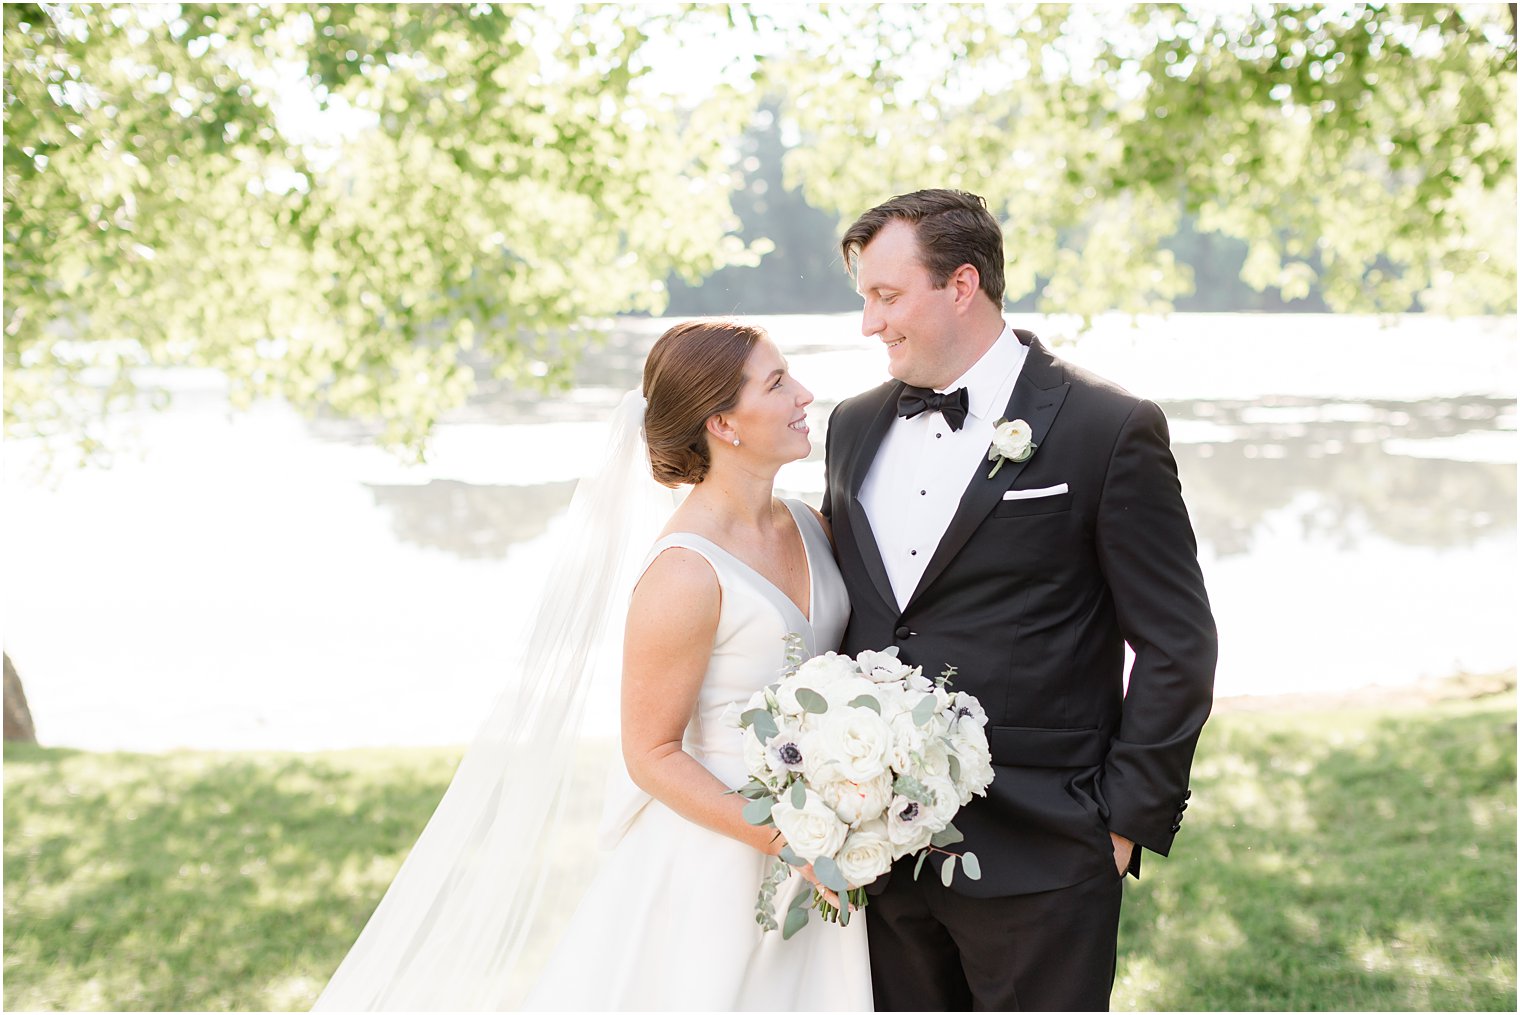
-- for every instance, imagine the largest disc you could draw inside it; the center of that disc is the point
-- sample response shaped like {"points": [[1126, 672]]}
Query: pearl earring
{"points": [[736, 442]]}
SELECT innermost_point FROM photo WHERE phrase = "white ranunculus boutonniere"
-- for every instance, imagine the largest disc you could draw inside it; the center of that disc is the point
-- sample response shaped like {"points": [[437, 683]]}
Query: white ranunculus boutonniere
{"points": [[1012, 441]]}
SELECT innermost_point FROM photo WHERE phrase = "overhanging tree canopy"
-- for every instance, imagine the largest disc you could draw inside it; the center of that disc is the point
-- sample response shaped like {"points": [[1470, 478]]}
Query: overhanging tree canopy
{"points": [[487, 182]]}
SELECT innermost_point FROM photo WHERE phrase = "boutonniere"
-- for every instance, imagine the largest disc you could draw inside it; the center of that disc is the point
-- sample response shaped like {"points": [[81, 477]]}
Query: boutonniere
{"points": [[1012, 441]]}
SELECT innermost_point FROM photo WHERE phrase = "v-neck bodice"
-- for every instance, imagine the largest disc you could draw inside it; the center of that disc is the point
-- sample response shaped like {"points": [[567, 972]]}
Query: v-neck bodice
{"points": [[749, 647]]}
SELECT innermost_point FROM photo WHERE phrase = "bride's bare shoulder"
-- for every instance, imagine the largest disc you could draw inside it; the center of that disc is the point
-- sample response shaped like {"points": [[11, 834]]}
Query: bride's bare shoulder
{"points": [[677, 579]]}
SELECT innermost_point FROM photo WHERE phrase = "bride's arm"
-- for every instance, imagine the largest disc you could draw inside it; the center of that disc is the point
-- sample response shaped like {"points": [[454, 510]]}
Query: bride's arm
{"points": [[672, 620]]}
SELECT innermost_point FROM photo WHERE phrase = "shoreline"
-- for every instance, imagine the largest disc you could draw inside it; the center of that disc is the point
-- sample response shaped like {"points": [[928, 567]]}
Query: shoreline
{"points": [[1422, 693], [1431, 691]]}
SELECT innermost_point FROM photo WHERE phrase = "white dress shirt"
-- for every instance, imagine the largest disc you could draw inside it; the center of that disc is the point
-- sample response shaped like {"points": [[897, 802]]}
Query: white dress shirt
{"points": [[923, 467]]}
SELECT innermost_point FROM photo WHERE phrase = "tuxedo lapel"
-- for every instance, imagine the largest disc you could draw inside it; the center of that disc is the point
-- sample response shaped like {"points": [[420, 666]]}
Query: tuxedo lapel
{"points": [[860, 464], [1036, 399]]}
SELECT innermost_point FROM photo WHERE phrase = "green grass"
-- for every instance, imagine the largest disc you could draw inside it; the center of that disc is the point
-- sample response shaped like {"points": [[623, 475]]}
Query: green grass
{"points": [[1342, 860], [1354, 859]]}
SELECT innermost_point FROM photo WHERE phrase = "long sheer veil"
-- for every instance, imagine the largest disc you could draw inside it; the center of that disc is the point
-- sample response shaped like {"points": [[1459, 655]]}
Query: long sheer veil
{"points": [[457, 928]]}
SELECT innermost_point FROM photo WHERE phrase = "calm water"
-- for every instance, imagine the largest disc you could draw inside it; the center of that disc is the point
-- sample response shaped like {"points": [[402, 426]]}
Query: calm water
{"points": [[258, 580]]}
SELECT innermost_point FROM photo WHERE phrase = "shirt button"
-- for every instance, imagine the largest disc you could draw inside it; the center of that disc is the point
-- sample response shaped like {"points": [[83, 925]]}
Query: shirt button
{"points": [[938, 436], [913, 553], [923, 493]]}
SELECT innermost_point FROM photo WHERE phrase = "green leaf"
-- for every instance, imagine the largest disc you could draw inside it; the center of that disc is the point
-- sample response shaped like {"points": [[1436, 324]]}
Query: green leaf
{"points": [[906, 785], [758, 811], [812, 701], [955, 768], [761, 721], [972, 866], [799, 795], [923, 855], [797, 914], [830, 875], [924, 710], [867, 701], [791, 857], [795, 920], [947, 870], [947, 836]]}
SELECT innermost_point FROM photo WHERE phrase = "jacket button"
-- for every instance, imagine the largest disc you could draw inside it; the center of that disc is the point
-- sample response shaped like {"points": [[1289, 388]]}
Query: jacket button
{"points": [[1177, 828], [902, 632], [1183, 807], [1188, 795]]}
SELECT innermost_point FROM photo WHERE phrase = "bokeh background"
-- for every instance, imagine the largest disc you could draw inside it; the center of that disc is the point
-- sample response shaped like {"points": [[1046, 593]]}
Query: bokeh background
{"points": [[314, 314]]}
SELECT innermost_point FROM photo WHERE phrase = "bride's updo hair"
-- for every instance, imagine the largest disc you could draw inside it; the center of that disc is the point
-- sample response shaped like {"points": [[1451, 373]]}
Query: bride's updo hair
{"points": [[695, 369]]}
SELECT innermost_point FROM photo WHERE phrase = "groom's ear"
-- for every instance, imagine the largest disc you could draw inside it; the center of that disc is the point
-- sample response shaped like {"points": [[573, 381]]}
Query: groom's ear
{"points": [[967, 282]]}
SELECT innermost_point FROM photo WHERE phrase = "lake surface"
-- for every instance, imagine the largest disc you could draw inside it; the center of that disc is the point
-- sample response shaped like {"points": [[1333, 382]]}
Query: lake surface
{"points": [[258, 580]]}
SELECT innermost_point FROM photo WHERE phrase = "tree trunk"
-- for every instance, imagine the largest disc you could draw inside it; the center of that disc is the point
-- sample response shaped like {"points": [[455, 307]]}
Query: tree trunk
{"points": [[18, 718]]}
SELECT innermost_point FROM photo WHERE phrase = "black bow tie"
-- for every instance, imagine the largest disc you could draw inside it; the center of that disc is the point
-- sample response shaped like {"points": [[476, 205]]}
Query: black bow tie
{"points": [[951, 405]]}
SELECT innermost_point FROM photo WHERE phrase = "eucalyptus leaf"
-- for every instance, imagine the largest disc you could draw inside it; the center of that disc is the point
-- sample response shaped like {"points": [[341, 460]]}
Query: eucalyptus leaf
{"points": [[830, 875], [796, 919], [906, 785], [924, 710], [762, 722], [955, 768], [812, 701], [867, 701], [947, 836], [922, 856], [791, 857], [799, 795], [972, 866], [947, 870], [758, 811]]}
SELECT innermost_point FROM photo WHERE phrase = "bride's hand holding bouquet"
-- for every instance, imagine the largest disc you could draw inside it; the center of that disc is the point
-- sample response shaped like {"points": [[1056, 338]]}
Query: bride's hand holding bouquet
{"points": [[858, 763]]}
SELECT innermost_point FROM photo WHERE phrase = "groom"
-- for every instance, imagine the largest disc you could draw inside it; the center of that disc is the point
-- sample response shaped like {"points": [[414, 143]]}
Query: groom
{"points": [[1028, 573]]}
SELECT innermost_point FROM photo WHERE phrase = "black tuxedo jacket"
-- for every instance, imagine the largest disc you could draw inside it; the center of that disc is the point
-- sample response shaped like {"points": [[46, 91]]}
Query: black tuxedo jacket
{"points": [[1032, 601]]}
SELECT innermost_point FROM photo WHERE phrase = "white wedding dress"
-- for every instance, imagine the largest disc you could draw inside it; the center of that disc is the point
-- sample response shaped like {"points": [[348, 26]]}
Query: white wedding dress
{"points": [[668, 922]]}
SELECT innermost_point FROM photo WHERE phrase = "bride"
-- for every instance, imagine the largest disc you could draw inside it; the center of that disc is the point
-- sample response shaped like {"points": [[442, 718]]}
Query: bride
{"points": [[668, 921]]}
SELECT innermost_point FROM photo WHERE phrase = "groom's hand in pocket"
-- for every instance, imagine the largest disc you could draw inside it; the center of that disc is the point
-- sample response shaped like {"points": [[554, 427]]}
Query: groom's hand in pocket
{"points": [[1124, 849]]}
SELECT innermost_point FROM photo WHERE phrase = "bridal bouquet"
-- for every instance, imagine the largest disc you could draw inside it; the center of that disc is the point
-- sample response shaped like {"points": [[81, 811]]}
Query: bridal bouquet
{"points": [[859, 762]]}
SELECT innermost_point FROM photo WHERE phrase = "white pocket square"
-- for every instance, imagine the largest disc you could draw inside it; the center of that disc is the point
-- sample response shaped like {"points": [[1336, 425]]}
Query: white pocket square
{"points": [[1044, 491]]}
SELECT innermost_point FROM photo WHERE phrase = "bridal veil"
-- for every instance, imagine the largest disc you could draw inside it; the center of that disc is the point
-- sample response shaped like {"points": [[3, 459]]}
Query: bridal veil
{"points": [[458, 927]]}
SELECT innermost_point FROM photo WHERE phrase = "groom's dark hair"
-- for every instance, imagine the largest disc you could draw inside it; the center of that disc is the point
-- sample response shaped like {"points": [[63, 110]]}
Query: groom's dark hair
{"points": [[953, 228]]}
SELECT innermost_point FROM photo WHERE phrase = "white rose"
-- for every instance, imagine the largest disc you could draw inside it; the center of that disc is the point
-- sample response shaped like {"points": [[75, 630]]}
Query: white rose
{"points": [[840, 693], [821, 671], [907, 740], [894, 700], [976, 766], [855, 739], [1013, 440], [907, 826], [969, 738], [882, 667], [812, 830], [947, 800], [854, 802], [866, 854], [936, 757]]}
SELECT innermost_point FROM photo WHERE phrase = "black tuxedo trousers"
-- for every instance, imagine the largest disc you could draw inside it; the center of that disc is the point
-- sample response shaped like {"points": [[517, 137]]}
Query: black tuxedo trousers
{"points": [[1032, 601]]}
